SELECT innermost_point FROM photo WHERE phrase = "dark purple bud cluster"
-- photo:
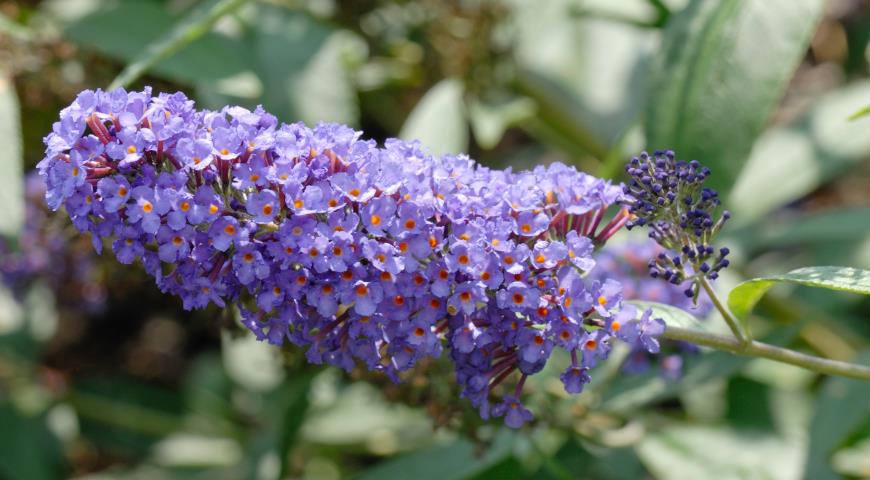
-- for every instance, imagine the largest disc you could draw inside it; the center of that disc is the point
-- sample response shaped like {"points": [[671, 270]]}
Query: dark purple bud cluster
{"points": [[669, 197], [360, 254]]}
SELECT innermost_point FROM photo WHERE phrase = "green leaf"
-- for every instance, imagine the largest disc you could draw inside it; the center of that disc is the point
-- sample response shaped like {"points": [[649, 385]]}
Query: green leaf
{"points": [[490, 120], [360, 416], [27, 448], [721, 71], [302, 66], [11, 169], [853, 461], [685, 451], [816, 228], [860, 113], [673, 316], [455, 461], [438, 120], [120, 29], [801, 156], [743, 297], [291, 400], [586, 75], [194, 25], [254, 365], [840, 408]]}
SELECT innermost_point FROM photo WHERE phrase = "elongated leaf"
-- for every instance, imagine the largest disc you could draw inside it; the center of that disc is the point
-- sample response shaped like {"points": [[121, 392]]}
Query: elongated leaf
{"points": [[27, 448], [860, 113], [689, 452], [291, 400], [801, 156], [489, 121], [847, 225], [11, 176], [743, 298], [721, 71], [673, 316], [840, 408], [439, 119], [196, 24], [455, 461], [120, 29], [585, 74], [300, 64]]}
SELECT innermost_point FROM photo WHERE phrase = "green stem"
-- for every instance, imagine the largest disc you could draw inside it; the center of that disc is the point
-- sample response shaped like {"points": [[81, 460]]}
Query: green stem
{"points": [[729, 317], [763, 350]]}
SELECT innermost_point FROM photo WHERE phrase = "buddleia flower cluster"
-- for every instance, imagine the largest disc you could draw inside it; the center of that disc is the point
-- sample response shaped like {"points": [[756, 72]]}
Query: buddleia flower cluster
{"points": [[669, 197], [627, 262], [361, 254]]}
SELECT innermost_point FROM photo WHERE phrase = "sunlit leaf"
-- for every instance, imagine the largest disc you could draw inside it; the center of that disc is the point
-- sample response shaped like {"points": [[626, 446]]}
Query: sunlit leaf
{"points": [[11, 176], [121, 29], [743, 298], [720, 73], [689, 452], [27, 448], [455, 461], [801, 156], [193, 26], [840, 408], [673, 316], [439, 119]]}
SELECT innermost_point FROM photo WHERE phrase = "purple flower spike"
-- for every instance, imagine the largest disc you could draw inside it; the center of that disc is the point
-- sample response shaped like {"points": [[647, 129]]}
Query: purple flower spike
{"points": [[379, 256]]}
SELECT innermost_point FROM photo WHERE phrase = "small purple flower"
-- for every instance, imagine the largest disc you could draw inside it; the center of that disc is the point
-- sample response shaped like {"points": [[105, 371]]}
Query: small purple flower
{"points": [[173, 245], [249, 265], [128, 246], [513, 411], [574, 378], [114, 192], [580, 251], [195, 154], [130, 148], [466, 297], [548, 254], [530, 224], [226, 232], [596, 346], [643, 332], [378, 214], [144, 209], [365, 296], [518, 297], [263, 205]]}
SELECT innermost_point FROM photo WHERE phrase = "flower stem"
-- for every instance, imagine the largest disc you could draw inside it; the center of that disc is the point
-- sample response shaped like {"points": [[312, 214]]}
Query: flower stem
{"points": [[729, 317], [754, 348]]}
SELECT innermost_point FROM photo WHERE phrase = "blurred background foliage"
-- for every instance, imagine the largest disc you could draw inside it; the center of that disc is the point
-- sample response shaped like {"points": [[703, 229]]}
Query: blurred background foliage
{"points": [[102, 377]]}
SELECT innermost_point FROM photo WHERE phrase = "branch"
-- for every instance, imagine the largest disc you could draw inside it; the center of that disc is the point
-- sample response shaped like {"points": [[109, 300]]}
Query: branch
{"points": [[771, 352]]}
